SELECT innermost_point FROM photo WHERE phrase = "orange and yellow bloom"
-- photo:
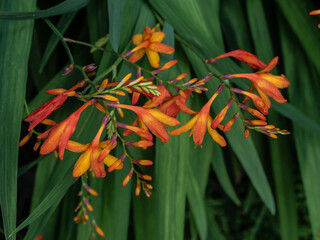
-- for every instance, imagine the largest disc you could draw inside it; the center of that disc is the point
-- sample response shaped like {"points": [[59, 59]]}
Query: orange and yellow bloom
{"points": [[58, 136], [201, 122], [47, 108], [149, 43], [152, 118], [94, 155]]}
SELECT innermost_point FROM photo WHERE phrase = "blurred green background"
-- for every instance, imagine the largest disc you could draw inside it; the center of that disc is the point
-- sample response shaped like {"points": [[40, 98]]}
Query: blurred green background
{"points": [[258, 188]]}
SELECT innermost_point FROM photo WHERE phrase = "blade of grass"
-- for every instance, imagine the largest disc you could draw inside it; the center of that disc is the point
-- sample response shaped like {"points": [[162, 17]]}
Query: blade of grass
{"points": [[61, 8], [15, 43], [115, 10], [62, 26], [297, 66]]}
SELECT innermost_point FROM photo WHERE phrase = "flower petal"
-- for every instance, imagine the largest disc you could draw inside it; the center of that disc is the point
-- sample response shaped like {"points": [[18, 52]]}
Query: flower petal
{"points": [[161, 48], [137, 39], [157, 36], [76, 147], [153, 58], [189, 125], [137, 55], [82, 164]]}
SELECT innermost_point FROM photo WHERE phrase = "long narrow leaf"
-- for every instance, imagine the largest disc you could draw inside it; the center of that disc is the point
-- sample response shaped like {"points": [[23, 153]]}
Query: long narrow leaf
{"points": [[15, 43]]}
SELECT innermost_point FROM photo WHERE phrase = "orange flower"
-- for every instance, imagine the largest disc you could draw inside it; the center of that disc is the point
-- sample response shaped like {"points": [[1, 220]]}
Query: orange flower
{"points": [[149, 43], [201, 122], [264, 82], [241, 55], [57, 137], [92, 153], [47, 108], [177, 103], [152, 118]]}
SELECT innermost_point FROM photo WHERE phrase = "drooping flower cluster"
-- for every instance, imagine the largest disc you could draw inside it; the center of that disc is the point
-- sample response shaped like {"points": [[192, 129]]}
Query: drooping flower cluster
{"points": [[159, 109]]}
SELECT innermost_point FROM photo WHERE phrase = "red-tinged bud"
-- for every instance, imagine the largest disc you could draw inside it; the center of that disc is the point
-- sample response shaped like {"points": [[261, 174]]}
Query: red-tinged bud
{"points": [[284, 132], [229, 124], [147, 192], [147, 185], [143, 162], [79, 205], [138, 188], [112, 104], [127, 54], [76, 219], [39, 237], [88, 205], [207, 77], [253, 112], [314, 12], [118, 92], [125, 79], [100, 107], [104, 83], [226, 77], [48, 122], [127, 178], [117, 163], [90, 190], [68, 70], [210, 61], [25, 139], [178, 78], [145, 177], [120, 112], [220, 116], [56, 91], [267, 127], [90, 67], [269, 134], [255, 122], [108, 97], [98, 229], [138, 72], [195, 90], [220, 88], [190, 82], [85, 214], [36, 145], [165, 66], [246, 132], [141, 144]]}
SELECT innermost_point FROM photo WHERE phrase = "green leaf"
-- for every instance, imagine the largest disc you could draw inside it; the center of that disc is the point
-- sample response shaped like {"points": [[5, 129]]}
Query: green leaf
{"points": [[54, 196], [15, 43], [219, 166], [196, 201], [305, 142], [61, 8], [115, 10]]}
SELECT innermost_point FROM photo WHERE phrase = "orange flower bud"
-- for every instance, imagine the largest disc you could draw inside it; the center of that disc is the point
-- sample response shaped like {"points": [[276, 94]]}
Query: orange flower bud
{"points": [[127, 178], [25, 139]]}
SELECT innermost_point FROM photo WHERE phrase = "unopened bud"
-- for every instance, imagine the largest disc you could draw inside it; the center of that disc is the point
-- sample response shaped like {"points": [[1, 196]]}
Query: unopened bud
{"points": [[127, 178], [25, 139], [138, 188], [68, 70], [90, 67], [90, 190]]}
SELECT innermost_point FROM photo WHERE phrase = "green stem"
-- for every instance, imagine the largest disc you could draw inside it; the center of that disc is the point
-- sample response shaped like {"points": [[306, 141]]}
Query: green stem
{"points": [[65, 45]]}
